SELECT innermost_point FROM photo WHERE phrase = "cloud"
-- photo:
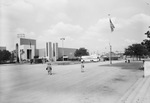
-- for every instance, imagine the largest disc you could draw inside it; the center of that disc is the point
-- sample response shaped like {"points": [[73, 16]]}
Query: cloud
{"points": [[127, 31], [30, 17], [82, 23], [48, 5], [63, 29], [101, 26], [98, 36], [59, 30], [129, 41], [63, 17]]}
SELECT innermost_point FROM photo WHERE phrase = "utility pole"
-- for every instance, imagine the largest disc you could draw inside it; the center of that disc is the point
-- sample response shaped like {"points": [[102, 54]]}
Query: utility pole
{"points": [[62, 47]]}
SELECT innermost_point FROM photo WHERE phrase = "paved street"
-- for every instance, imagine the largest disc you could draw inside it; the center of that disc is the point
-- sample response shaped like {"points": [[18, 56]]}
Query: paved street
{"points": [[100, 83]]}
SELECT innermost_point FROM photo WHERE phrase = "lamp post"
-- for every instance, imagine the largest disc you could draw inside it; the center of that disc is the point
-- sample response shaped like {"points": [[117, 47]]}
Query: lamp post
{"points": [[62, 47], [21, 35]]}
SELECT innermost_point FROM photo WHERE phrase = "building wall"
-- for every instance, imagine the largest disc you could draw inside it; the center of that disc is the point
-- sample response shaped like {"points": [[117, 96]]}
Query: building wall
{"points": [[41, 52], [25, 41], [52, 51], [55, 51], [26, 44], [49, 52], [67, 51], [25, 48]]}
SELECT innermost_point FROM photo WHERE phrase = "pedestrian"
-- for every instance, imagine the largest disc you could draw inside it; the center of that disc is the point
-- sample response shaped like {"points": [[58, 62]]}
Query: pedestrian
{"points": [[143, 61], [31, 61], [82, 66], [49, 68]]}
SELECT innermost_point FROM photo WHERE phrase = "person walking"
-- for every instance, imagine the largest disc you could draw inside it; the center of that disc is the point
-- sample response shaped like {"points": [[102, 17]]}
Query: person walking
{"points": [[49, 68], [82, 66]]}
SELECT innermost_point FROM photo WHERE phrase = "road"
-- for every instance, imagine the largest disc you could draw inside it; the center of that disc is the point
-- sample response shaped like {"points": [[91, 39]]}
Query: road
{"points": [[100, 83]]}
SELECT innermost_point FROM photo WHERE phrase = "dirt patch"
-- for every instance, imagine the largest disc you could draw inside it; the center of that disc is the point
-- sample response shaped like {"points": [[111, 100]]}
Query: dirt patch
{"points": [[107, 90], [118, 80], [104, 89]]}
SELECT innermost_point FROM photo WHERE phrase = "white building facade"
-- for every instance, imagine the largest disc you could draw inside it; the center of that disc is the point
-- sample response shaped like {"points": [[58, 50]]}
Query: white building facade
{"points": [[26, 49], [52, 51]]}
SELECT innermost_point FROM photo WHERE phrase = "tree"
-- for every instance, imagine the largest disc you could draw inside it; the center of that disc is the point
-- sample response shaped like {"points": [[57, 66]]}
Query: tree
{"points": [[81, 52], [148, 34], [129, 51], [146, 43], [4, 56], [12, 57], [136, 50]]}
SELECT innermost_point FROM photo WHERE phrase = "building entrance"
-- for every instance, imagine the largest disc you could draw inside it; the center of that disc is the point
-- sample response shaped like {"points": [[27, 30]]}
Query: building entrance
{"points": [[29, 54]]}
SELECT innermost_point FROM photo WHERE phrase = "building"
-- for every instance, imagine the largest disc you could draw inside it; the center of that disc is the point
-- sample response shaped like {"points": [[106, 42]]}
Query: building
{"points": [[66, 52], [26, 50], [53, 52], [114, 56], [41, 53]]}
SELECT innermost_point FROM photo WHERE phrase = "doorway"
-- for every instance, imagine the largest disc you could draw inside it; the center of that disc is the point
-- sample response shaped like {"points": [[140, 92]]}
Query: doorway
{"points": [[29, 54]]}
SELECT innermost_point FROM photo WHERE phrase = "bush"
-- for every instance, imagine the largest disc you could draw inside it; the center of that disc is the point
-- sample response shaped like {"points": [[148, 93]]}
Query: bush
{"points": [[4, 56], [36, 56], [38, 60]]}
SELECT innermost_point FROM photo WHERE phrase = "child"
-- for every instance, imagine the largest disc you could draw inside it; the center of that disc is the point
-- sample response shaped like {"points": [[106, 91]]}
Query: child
{"points": [[49, 68], [82, 66]]}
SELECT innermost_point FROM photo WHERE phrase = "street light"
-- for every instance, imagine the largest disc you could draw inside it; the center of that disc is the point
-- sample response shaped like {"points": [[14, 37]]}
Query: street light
{"points": [[62, 47]]}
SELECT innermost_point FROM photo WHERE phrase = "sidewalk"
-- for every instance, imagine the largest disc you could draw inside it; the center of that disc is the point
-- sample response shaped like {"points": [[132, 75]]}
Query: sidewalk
{"points": [[137, 93]]}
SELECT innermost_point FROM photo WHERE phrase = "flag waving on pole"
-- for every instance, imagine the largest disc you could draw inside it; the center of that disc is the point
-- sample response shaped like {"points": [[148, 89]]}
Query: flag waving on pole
{"points": [[111, 25]]}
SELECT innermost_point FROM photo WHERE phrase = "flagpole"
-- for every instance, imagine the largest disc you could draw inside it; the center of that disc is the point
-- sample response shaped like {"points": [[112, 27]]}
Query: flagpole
{"points": [[110, 54], [110, 43]]}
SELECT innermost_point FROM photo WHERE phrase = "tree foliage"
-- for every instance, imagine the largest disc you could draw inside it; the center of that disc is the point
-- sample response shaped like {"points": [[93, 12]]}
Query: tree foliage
{"points": [[136, 50], [4, 55], [146, 43], [129, 51], [148, 34], [139, 50], [81, 52]]}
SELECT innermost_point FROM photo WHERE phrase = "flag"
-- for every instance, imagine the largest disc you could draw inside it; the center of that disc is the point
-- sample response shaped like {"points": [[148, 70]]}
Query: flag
{"points": [[111, 25]]}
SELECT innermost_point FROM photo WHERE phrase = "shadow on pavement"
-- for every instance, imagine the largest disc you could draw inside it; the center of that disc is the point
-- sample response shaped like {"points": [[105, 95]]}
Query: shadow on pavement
{"points": [[133, 65]]}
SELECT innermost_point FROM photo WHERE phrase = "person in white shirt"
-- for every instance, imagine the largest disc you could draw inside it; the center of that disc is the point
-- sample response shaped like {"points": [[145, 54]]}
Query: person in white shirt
{"points": [[49, 68]]}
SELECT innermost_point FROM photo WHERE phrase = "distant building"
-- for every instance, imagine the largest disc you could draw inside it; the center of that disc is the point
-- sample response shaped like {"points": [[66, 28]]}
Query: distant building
{"points": [[68, 52], [26, 50], [41, 52], [2, 48], [53, 52], [114, 56]]}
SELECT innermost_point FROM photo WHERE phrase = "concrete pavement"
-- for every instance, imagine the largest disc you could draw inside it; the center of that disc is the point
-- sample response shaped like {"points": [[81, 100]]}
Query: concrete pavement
{"points": [[100, 83], [139, 92]]}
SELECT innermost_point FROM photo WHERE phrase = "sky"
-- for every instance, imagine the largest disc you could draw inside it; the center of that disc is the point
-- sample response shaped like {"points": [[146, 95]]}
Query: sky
{"points": [[83, 23]]}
